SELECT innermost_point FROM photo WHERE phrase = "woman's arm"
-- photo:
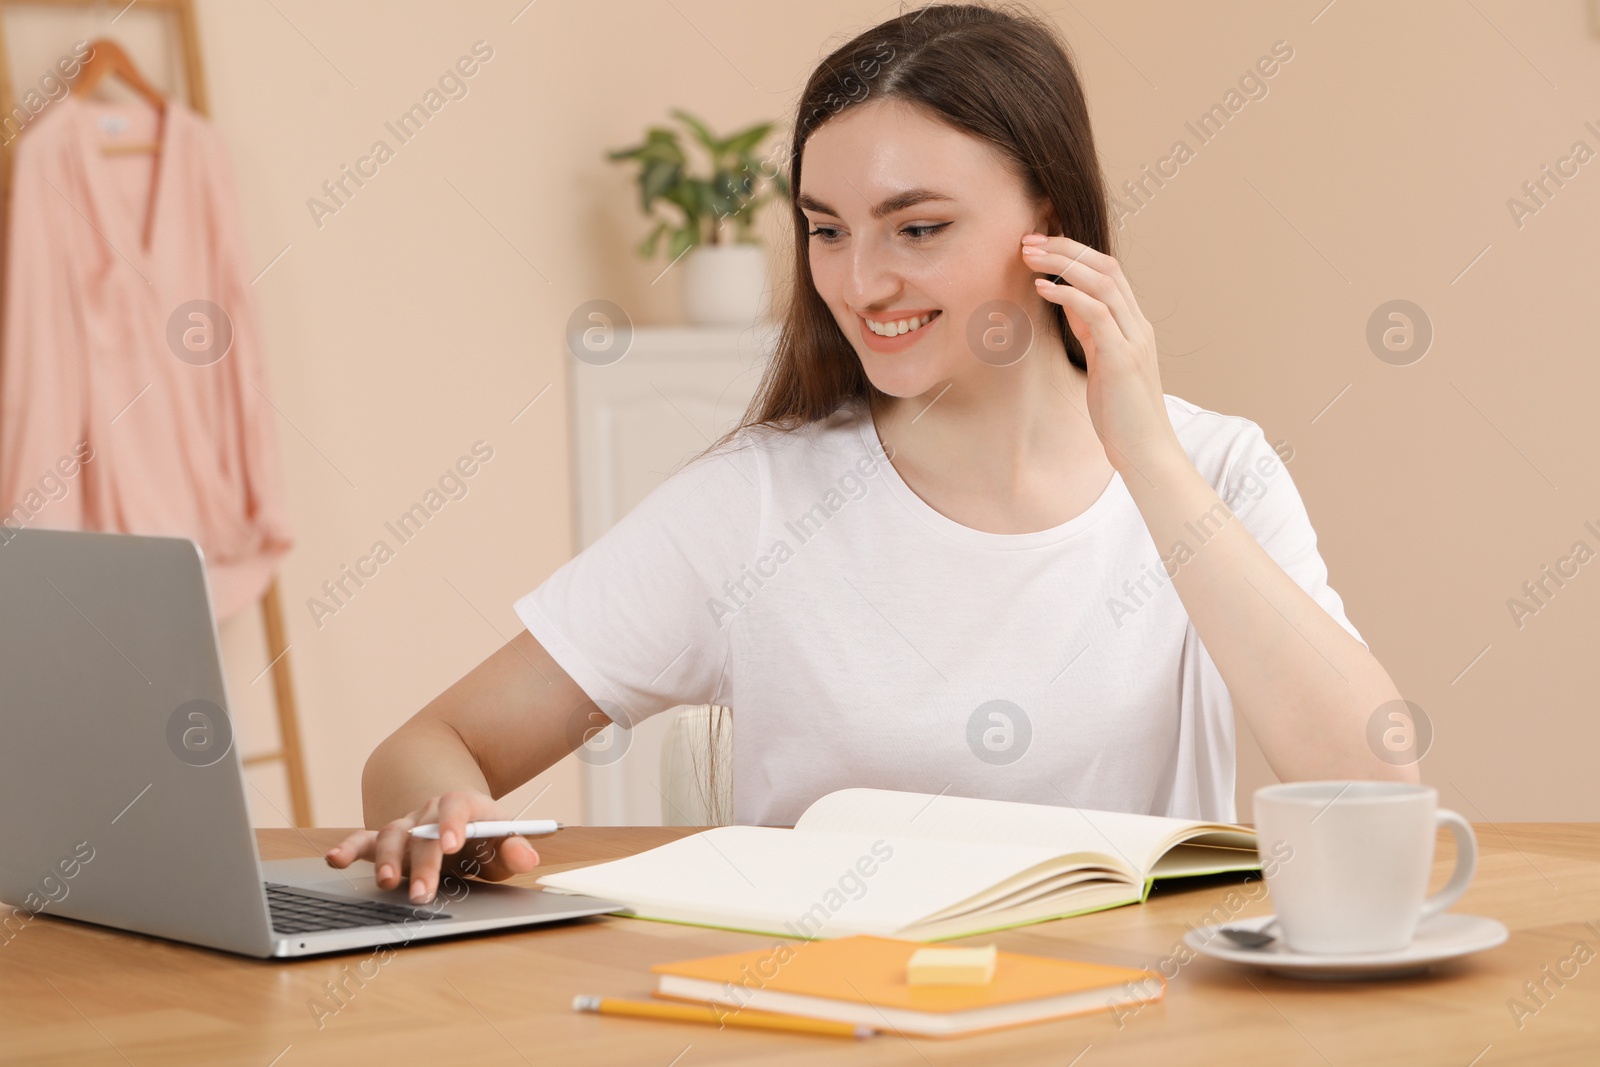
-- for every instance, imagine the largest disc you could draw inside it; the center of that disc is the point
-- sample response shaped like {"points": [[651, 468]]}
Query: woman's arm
{"points": [[1302, 682], [505, 721], [1304, 685]]}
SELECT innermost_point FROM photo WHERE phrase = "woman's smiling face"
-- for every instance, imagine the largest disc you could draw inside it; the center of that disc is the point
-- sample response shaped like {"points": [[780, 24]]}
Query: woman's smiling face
{"points": [[914, 221]]}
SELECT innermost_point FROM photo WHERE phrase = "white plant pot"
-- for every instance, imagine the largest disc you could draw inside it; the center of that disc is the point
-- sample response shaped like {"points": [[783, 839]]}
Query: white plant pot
{"points": [[724, 285]]}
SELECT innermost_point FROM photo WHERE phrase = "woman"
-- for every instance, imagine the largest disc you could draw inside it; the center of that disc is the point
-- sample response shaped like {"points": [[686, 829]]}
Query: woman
{"points": [[962, 543]]}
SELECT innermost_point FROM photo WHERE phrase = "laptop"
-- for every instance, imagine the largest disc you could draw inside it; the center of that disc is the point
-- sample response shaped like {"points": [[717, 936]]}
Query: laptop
{"points": [[122, 790]]}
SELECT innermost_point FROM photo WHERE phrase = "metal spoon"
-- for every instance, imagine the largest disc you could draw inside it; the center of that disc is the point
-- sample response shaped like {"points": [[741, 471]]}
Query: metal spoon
{"points": [[1245, 937]]}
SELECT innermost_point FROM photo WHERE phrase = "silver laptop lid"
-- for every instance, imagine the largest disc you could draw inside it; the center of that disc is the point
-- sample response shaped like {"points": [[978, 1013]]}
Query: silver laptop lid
{"points": [[121, 789]]}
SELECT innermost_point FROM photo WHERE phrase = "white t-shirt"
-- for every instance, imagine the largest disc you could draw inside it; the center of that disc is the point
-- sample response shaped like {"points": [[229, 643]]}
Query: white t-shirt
{"points": [[861, 638]]}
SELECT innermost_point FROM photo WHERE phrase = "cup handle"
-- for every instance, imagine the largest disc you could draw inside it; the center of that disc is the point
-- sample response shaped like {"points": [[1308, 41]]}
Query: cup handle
{"points": [[1466, 865]]}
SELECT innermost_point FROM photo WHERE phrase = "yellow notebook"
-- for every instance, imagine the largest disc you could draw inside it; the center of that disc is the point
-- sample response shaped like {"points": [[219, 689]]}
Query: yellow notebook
{"points": [[862, 980]]}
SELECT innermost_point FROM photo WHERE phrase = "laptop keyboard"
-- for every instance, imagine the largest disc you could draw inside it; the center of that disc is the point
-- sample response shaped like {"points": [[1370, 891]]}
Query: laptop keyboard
{"points": [[299, 911]]}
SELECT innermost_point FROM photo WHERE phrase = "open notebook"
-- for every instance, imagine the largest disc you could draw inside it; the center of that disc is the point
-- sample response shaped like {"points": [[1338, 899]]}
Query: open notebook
{"points": [[912, 865]]}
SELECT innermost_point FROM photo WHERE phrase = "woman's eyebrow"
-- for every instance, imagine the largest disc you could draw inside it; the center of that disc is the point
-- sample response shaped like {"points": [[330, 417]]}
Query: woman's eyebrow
{"points": [[897, 202]]}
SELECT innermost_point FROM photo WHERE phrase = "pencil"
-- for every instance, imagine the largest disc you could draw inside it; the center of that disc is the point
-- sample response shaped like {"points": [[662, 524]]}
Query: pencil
{"points": [[695, 1013]]}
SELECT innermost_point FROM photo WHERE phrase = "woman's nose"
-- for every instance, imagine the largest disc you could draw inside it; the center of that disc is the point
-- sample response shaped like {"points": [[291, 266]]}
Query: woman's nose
{"points": [[873, 277]]}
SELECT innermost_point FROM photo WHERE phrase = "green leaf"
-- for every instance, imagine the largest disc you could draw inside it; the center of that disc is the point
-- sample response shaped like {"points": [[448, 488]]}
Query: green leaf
{"points": [[690, 194], [647, 247], [664, 151], [682, 241], [659, 143], [701, 132], [655, 180], [742, 143], [723, 195]]}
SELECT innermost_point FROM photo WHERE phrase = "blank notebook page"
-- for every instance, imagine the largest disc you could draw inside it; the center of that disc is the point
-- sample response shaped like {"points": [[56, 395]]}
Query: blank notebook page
{"points": [[762, 877], [1139, 840]]}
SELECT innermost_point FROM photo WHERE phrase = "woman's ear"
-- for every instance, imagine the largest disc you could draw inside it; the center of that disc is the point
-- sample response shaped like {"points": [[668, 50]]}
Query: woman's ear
{"points": [[1045, 218], [1052, 223]]}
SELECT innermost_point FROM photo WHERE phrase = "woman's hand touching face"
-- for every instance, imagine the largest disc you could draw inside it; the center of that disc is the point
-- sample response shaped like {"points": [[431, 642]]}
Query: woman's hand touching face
{"points": [[1124, 391]]}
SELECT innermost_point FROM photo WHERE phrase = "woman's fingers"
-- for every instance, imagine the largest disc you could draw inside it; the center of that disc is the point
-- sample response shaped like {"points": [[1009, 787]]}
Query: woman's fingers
{"points": [[357, 846], [1084, 279], [493, 860], [1100, 332], [498, 859], [391, 851], [417, 863], [1088, 271], [425, 858], [455, 811], [1094, 259]]}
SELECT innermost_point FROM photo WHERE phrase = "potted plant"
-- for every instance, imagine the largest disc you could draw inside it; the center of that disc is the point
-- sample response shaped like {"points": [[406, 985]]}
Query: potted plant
{"points": [[708, 218]]}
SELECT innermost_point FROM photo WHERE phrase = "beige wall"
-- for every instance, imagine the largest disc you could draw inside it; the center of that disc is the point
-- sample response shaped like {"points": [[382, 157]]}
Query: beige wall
{"points": [[423, 315]]}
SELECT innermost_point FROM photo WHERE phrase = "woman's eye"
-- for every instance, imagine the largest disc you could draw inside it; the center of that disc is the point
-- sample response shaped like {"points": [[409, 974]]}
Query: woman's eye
{"points": [[923, 232], [830, 234]]}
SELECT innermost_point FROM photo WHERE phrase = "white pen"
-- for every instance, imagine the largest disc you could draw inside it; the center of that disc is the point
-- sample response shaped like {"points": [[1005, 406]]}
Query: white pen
{"points": [[501, 828]]}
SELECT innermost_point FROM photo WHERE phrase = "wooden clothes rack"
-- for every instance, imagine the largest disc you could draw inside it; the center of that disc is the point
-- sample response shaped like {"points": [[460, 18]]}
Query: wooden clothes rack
{"points": [[290, 751]]}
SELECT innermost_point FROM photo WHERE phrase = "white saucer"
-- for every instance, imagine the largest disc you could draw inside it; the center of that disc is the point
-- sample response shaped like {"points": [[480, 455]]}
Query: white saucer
{"points": [[1444, 937]]}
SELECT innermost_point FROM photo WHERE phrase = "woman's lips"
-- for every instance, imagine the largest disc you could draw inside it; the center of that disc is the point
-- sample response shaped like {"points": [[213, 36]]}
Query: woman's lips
{"points": [[879, 343]]}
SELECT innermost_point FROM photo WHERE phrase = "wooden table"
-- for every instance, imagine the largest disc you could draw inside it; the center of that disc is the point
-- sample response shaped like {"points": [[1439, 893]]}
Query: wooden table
{"points": [[71, 993]]}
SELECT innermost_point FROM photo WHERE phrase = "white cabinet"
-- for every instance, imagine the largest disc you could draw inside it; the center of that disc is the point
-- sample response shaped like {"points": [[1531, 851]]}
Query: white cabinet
{"points": [[635, 421]]}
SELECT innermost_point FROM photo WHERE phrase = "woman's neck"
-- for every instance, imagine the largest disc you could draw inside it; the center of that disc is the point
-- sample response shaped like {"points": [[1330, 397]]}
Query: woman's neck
{"points": [[1004, 449]]}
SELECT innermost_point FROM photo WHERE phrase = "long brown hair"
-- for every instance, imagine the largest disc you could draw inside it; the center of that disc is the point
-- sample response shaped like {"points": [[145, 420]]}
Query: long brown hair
{"points": [[999, 73]]}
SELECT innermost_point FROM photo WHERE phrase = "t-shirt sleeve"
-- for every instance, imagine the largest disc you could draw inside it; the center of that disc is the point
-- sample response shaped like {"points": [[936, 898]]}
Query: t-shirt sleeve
{"points": [[1260, 492], [629, 617]]}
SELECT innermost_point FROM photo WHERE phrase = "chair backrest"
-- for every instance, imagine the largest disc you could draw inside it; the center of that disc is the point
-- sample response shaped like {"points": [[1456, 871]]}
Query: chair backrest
{"points": [[697, 767]]}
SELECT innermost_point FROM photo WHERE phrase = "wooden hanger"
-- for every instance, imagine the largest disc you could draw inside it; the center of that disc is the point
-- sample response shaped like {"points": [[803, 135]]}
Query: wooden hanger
{"points": [[107, 58]]}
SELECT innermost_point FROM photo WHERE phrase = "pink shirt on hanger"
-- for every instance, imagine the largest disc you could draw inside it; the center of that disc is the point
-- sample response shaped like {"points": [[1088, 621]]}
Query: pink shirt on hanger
{"points": [[110, 355]]}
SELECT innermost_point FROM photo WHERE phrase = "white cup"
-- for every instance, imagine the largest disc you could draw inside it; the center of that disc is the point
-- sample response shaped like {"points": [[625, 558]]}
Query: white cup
{"points": [[1351, 862]]}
